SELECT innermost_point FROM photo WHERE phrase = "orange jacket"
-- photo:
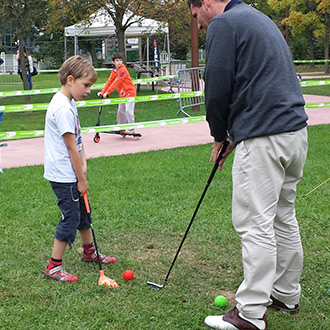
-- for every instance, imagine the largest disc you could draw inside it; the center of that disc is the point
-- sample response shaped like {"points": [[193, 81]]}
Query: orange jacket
{"points": [[120, 79]]}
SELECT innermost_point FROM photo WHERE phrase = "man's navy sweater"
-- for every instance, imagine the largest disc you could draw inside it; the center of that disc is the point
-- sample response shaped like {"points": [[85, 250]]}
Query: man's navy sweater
{"points": [[251, 88]]}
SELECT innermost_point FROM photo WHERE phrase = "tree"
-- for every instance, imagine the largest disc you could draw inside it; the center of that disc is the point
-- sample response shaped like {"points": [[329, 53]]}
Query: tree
{"points": [[324, 9], [123, 13], [309, 18], [177, 16], [63, 13], [25, 14]]}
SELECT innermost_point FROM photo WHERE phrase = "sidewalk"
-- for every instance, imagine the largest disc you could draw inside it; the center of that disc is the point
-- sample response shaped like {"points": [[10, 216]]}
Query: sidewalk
{"points": [[31, 151], [314, 75], [317, 116]]}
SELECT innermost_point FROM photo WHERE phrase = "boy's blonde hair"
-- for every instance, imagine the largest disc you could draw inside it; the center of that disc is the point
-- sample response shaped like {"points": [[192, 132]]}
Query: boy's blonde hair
{"points": [[77, 67]]}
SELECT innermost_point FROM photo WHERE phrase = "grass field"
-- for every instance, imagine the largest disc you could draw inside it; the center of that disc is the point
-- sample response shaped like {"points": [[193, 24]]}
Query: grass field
{"points": [[142, 204]]}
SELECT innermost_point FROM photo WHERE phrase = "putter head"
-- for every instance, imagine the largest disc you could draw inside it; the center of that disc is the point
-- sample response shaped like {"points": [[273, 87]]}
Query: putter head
{"points": [[155, 286], [106, 281]]}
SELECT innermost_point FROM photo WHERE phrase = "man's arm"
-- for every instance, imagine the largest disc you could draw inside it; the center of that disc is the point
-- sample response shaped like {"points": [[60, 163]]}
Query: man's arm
{"points": [[219, 76]]}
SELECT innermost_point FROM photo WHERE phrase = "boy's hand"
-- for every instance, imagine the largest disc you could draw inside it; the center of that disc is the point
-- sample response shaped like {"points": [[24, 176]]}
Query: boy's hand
{"points": [[102, 96], [82, 187]]}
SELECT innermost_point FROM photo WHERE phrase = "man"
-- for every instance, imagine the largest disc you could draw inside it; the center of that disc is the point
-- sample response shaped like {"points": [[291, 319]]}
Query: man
{"points": [[252, 96]]}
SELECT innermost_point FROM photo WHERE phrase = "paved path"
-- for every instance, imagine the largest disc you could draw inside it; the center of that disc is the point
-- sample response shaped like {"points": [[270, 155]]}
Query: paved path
{"points": [[314, 75], [31, 151]]}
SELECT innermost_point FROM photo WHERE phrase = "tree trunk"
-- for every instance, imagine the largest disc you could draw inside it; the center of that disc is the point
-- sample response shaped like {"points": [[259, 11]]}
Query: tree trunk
{"points": [[91, 49], [22, 63], [194, 60], [326, 42], [120, 32], [311, 47]]}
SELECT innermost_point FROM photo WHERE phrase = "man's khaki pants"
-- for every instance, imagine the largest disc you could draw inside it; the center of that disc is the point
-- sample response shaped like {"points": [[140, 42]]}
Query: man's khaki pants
{"points": [[266, 171]]}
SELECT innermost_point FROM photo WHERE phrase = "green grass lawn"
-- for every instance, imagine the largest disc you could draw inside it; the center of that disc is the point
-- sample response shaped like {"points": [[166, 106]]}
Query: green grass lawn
{"points": [[307, 68], [144, 111], [142, 204]]}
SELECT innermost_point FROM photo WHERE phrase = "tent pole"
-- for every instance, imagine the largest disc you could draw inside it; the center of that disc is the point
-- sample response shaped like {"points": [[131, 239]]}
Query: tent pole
{"points": [[140, 49], [65, 49], [125, 55], [169, 52], [147, 52], [75, 45]]}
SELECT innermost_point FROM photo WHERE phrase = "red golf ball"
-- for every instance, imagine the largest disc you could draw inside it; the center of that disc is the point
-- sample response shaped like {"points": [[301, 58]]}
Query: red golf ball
{"points": [[128, 275]]}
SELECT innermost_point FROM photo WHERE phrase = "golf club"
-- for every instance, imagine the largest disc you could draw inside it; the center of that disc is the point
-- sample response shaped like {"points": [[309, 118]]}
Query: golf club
{"points": [[156, 286], [316, 188], [103, 280]]}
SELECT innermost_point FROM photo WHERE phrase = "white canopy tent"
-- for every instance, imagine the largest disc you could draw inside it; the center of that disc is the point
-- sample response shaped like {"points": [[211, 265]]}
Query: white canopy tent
{"points": [[101, 25]]}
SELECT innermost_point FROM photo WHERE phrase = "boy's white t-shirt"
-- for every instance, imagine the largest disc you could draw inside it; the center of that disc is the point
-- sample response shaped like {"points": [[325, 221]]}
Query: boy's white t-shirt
{"points": [[61, 117]]}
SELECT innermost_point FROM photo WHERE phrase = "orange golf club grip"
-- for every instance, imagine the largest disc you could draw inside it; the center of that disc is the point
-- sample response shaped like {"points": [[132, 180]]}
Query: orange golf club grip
{"points": [[86, 203]]}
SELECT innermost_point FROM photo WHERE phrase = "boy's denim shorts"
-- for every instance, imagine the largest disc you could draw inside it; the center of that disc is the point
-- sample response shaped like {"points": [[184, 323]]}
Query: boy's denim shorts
{"points": [[72, 207]]}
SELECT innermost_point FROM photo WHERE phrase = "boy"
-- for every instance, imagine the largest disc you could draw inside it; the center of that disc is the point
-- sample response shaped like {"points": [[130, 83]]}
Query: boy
{"points": [[66, 167], [121, 80]]}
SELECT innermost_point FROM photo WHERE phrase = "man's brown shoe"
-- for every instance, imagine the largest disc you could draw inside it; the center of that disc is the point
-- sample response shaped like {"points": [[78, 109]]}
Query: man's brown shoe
{"points": [[233, 321], [283, 307]]}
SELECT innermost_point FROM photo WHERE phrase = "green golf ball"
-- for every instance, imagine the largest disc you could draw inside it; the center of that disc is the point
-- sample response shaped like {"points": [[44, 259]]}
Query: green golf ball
{"points": [[220, 301]]}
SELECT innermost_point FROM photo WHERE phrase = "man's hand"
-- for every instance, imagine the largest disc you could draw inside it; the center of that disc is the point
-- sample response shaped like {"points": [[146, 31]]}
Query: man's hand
{"points": [[216, 148]]}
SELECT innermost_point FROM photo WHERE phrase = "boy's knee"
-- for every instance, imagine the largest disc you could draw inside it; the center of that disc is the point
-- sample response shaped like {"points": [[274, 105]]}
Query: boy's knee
{"points": [[68, 236]]}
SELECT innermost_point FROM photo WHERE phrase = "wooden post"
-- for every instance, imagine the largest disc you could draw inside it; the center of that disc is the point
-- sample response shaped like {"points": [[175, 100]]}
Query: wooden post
{"points": [[194, 57]]}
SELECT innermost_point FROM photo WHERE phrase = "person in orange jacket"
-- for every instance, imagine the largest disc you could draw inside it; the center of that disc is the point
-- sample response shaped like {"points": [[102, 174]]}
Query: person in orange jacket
{"points": [[121, 80]]}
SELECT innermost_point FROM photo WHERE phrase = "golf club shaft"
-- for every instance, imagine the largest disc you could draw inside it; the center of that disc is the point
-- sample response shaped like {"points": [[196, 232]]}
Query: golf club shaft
{"points": [[316, 188], [88, 210], [215, 167]]}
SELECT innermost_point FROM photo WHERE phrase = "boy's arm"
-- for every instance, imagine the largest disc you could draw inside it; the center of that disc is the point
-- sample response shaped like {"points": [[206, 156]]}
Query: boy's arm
{"points": [[122, 75], [108, 83], [77, 162], [83, 160]]}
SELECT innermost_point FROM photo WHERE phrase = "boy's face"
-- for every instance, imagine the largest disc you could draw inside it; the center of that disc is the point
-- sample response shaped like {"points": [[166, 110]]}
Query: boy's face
{"points": [[80, 88], [117, 62]]}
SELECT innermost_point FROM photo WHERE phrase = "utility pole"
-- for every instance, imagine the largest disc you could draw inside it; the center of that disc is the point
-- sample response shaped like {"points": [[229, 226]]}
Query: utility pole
{"points": [[194, 57]]}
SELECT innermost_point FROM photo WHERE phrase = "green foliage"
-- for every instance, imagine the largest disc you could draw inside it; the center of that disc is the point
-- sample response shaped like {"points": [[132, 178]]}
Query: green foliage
{"points": [[299, 47], [303, 15], [65, 13], [27, 15]]}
